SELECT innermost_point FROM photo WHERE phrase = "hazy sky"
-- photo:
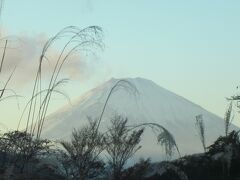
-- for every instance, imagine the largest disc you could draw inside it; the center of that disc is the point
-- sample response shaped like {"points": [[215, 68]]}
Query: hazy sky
{"points": [[189, 47]]}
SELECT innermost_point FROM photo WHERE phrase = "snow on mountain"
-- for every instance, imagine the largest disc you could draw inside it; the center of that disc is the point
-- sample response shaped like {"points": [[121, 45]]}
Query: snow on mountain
{"points": [[152, 104]]}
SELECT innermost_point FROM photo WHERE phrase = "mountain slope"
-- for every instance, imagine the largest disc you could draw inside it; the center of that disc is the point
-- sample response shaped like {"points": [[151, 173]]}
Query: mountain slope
{"points": [[152, 104]]}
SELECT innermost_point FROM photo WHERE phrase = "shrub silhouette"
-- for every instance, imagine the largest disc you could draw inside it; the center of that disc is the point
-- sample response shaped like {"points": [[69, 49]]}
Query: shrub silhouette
{"points": [[81, 156], [121, 144], [18, 149]]}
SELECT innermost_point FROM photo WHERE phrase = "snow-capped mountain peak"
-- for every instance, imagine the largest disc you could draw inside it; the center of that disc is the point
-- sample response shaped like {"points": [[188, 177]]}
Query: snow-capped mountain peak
{"points": [[151, 103]]}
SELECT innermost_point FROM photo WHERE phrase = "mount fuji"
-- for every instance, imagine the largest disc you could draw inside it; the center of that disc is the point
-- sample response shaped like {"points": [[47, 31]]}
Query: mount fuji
{"points": [[152, 104]]}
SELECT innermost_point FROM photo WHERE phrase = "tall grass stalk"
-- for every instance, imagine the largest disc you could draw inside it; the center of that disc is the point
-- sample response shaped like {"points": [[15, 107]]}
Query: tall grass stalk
{"points": [[201, 130], [79, 40], [228, 117], [164, 137], [122, 83]]}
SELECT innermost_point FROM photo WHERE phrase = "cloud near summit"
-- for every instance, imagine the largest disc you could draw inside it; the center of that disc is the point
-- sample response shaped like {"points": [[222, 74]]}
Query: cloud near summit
{"points": [[24, 52]]}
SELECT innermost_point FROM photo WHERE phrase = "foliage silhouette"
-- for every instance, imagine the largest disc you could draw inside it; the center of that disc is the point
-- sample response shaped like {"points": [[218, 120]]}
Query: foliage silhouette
{"points": [[121, 144], [81, 156]]}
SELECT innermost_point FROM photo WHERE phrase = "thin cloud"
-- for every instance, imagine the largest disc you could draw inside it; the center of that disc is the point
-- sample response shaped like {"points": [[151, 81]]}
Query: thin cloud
{"points": [[24, 52]]}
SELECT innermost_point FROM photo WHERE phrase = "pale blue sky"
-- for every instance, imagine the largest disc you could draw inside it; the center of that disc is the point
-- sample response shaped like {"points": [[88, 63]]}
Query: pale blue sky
{"points": [[189, 47]]}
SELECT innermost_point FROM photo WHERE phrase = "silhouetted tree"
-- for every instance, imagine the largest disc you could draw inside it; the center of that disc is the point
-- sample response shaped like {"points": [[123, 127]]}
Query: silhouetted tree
{"points": [[20, 148], [81, 156], [121, 144]]}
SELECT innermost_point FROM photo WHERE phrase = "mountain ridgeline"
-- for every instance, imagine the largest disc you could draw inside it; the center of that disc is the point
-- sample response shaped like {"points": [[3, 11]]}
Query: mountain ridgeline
{"points": [[151, 103]]}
